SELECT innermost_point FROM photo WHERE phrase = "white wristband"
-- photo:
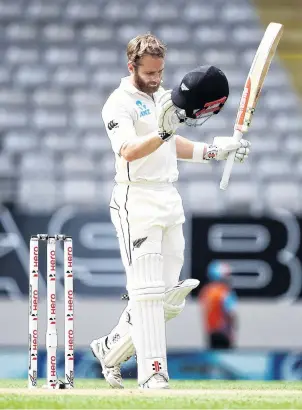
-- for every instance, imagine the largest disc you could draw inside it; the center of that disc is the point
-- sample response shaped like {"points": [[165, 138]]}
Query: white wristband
{"points": [[199, 150]]}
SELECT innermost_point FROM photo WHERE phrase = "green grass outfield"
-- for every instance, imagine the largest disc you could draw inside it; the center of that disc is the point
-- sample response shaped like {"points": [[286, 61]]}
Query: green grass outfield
{"points": [[94, 394]]}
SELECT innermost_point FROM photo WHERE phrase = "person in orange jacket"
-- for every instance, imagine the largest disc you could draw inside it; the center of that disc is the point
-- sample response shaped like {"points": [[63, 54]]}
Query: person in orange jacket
{"points": [[219, 305]]}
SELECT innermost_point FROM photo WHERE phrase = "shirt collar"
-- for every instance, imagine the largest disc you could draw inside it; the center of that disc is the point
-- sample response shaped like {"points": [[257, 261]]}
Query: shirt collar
{"points": [[128, 86]]}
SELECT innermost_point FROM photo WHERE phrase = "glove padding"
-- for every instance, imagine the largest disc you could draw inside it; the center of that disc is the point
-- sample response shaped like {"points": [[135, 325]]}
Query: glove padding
{"points": [[223, 145], [167, 118]]}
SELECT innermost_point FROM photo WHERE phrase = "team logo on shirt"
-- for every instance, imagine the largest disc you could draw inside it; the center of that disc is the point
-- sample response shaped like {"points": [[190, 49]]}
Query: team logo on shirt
{"points": [[137, 243], [112, 124], [143, 109]]}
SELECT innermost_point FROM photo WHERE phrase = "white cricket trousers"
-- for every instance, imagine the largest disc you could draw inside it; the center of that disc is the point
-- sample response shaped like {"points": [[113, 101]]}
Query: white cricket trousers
{"points": [[148, 219]]}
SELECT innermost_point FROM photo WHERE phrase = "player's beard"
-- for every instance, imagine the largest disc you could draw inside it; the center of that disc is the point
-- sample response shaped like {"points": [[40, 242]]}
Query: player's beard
{"points": [[144, 86]]}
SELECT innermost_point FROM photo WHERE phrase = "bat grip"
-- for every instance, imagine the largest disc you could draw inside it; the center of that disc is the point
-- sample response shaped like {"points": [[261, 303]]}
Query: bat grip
{"points": [[229, 163]]}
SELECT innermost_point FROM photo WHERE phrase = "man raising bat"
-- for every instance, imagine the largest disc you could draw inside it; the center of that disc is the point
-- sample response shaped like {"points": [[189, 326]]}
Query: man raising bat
{"points": [[141, 120]]}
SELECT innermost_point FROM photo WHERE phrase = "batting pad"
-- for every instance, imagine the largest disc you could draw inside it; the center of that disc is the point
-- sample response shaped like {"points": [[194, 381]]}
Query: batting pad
{"points": [[177, 294], [121, 347], [175, 297], [174, 303], [148, 320]]}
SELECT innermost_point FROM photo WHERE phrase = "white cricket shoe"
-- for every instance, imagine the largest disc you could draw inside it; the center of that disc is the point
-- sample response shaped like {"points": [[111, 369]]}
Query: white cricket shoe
{"points": [[157, 381], [112, 374]]}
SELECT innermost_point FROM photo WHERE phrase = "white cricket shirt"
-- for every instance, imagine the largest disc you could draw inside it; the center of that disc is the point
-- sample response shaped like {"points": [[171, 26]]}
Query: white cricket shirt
{"points": [[128, 114]]}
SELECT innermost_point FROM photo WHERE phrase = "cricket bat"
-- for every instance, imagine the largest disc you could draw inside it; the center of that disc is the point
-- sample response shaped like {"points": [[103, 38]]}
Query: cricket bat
{"points": [[252, 89]]}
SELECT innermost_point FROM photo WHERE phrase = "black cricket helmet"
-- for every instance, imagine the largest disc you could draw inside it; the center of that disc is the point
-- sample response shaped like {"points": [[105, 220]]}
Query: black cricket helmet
{"points": [[201, 93]]}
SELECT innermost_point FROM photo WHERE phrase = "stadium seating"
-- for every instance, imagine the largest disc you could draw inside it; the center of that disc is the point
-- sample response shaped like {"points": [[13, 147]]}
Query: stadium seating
{"points": [[60, 61]]}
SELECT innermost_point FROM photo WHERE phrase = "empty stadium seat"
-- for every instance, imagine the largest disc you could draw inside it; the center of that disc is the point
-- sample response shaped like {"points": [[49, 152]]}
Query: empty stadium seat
{"points": [[12, 119], [238, 13], [37, 195], [79, 11], [46, 118], [48, 97], [172, 34], [87, 119], [247, 36], [7, 190], [242, 195], [58, 33], [292, 144], [78, 191], [21, 55], [195, 12], [61, 56], [37, 165], [281, 122], [40, 10], [12, 97], [274, 167], [289, 101], [10, 10], [113, 11], [75, 166], [266, 145], [59, 142], [97, 56], [191, 171], [180, 57], [69, 77], [283, 194], [31, 76], [96, 34], [220, 58], [19, 142], [95, 142], [5, 76], [85, 98], [20, 32], [7, 165], [209, 35], [203, 197], [108, 78]]}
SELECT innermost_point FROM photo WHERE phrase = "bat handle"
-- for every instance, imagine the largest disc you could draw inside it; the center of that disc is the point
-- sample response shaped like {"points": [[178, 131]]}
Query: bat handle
{"points": [[229, 163]]}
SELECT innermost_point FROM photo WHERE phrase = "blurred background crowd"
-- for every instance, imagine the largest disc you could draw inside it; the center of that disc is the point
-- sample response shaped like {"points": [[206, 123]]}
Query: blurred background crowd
{"points": [[60, 61]]}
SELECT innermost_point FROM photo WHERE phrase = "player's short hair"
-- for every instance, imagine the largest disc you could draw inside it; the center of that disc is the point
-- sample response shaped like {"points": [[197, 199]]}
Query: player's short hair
{"points": [[145, 44]]}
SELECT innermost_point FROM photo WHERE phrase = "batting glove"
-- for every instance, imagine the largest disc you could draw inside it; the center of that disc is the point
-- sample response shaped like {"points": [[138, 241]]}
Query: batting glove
{"points": [[222, 146], [167, 118]]}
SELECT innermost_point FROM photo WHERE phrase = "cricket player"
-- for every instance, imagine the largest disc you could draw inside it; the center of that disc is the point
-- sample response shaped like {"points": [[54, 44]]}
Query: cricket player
{"points": [[141, 120]]}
